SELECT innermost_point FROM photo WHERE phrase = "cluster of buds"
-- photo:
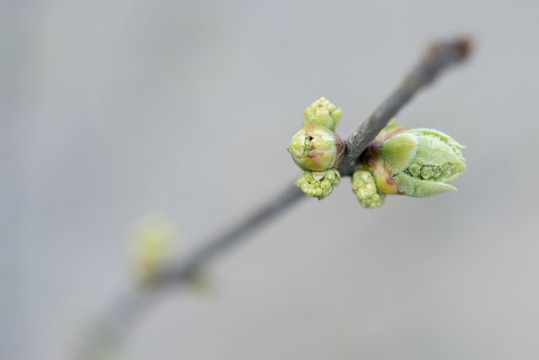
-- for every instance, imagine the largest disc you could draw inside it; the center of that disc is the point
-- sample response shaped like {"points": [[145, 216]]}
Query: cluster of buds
{"points": [[317, 149], [319, 184], [417, 163], [364, 187], [322, 112]]}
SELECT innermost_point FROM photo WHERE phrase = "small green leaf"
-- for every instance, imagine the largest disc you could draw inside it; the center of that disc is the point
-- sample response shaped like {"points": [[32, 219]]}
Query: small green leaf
{"points": [[415, 187], [399, 151]]}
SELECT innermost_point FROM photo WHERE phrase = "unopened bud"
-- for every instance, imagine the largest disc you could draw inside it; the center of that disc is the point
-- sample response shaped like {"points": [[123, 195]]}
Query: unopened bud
{"points": [[319, 184], [316, 148], [364, 187], [323, 112]]}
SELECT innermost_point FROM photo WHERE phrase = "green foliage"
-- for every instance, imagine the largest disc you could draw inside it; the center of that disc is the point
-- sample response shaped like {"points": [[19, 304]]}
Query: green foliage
{"points": [[416, 162]]}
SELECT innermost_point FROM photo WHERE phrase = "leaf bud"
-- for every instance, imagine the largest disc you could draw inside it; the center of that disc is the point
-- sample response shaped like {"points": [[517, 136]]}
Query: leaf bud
{"points": [[420, 162]]}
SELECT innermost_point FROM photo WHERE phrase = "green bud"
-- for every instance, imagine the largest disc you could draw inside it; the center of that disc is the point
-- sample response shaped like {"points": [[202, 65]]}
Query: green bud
{"points": [[363, 185], [322, 112], [316, 148], [153, 249], [319, 184], [421, 162]]}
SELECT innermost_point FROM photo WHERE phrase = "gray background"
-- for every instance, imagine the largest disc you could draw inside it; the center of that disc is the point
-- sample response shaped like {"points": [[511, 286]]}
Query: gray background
{"points": [[113, 110]]}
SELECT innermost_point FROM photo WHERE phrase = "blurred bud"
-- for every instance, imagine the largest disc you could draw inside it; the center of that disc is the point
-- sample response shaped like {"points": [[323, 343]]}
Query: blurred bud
{"points": [[200, 282], [364, 187], [421, 162], [322, 112], [316, 148], [319, 184], [152, 249]]}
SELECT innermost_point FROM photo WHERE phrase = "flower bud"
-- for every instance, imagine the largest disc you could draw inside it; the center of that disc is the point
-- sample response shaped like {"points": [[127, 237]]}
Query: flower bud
{"points": [[420, 162], [322, 112], [364, 187], [319, 184], [316, 148]]}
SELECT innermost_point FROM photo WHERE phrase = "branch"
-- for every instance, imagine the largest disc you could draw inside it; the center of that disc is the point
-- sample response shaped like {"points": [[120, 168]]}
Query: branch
{"points": [[438, 57], [185, 269]]}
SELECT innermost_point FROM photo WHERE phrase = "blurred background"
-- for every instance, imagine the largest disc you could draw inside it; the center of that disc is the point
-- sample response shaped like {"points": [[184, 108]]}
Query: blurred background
{"points": [[113, 111]]}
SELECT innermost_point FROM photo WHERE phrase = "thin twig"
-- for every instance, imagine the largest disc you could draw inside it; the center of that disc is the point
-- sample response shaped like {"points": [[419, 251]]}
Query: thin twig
{"points": [[132, 304], [438, 57], [224, 241]]}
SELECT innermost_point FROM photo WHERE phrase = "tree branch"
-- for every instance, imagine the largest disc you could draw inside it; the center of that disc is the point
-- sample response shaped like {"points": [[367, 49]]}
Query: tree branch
{"points": [[184, 269], [438, 57]]}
